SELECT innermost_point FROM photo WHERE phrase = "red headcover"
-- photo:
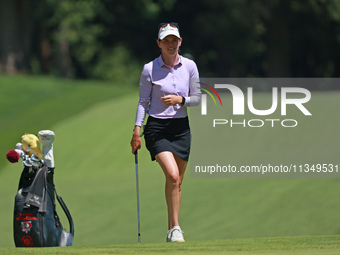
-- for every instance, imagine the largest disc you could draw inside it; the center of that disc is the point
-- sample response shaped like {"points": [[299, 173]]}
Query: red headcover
{"points": [[12, 156]]}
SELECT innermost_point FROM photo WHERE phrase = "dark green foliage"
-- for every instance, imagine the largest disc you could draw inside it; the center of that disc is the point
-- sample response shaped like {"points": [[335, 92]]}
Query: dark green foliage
{"points": [[235, 38]]}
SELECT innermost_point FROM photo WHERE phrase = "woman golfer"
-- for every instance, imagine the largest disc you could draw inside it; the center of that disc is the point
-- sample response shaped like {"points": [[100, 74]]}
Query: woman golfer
{"points": [[165, 92]]}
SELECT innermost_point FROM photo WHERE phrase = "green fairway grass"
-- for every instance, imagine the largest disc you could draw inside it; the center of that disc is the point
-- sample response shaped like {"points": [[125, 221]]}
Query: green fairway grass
{"points": [[288, 245], [95, 175], [29, 103]]}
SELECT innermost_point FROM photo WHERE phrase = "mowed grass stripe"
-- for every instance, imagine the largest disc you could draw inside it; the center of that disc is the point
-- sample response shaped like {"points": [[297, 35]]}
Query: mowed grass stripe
{"points": [[270, 246]]}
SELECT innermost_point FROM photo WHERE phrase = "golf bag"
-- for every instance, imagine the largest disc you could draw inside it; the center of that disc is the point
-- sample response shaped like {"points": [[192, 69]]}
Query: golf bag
{"points": [[36, 222]]}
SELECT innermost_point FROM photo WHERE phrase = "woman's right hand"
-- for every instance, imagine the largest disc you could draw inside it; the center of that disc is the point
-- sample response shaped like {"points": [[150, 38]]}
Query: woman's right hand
{"points": [[136, 142]]}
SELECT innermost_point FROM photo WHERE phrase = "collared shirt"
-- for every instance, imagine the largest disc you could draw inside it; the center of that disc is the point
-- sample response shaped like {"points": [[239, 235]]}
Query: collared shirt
{"points": [[158, 80]]}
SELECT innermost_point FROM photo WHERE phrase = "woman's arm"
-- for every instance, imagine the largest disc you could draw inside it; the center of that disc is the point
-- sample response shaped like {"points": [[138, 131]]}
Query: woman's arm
{"points": [[194, 97], [145, 90]]}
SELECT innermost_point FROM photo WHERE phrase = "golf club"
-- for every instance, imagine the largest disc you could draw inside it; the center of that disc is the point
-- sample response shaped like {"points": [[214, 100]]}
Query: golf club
{"points": [[137, 188]]}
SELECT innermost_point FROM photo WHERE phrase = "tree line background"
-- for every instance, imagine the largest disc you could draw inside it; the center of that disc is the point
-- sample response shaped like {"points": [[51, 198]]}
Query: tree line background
{"points": [[112, 39]]}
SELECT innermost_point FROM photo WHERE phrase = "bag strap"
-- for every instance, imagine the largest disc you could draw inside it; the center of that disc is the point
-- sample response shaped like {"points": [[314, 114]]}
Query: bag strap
{"points": [[66, 211]]}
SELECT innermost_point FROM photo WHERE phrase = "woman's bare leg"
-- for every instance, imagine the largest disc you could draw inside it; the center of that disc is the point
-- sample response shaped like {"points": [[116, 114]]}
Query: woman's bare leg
{"points": [[173, 168]]}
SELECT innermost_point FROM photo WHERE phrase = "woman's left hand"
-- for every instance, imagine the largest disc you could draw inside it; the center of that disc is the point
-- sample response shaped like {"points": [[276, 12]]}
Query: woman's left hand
{"points": [[171, 100]]}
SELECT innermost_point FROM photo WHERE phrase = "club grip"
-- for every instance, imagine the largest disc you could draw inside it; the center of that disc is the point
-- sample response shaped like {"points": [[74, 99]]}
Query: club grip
{"points": [[136, 156]]}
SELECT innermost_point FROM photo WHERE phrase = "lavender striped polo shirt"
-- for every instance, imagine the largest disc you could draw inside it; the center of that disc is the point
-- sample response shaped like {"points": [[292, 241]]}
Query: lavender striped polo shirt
{"points": [[158, 80]]}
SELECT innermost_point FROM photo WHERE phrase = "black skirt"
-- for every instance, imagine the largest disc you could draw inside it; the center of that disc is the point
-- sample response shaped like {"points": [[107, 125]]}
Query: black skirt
{"points": [[168, 135]]}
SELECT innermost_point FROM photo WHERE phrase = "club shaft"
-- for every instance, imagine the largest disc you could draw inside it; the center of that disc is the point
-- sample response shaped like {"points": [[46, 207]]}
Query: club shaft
{"points": [[137, 188]]}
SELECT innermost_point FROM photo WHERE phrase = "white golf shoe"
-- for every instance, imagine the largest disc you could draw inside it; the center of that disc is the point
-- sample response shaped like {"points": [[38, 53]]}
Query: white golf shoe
{"points": [[175, 235]]}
